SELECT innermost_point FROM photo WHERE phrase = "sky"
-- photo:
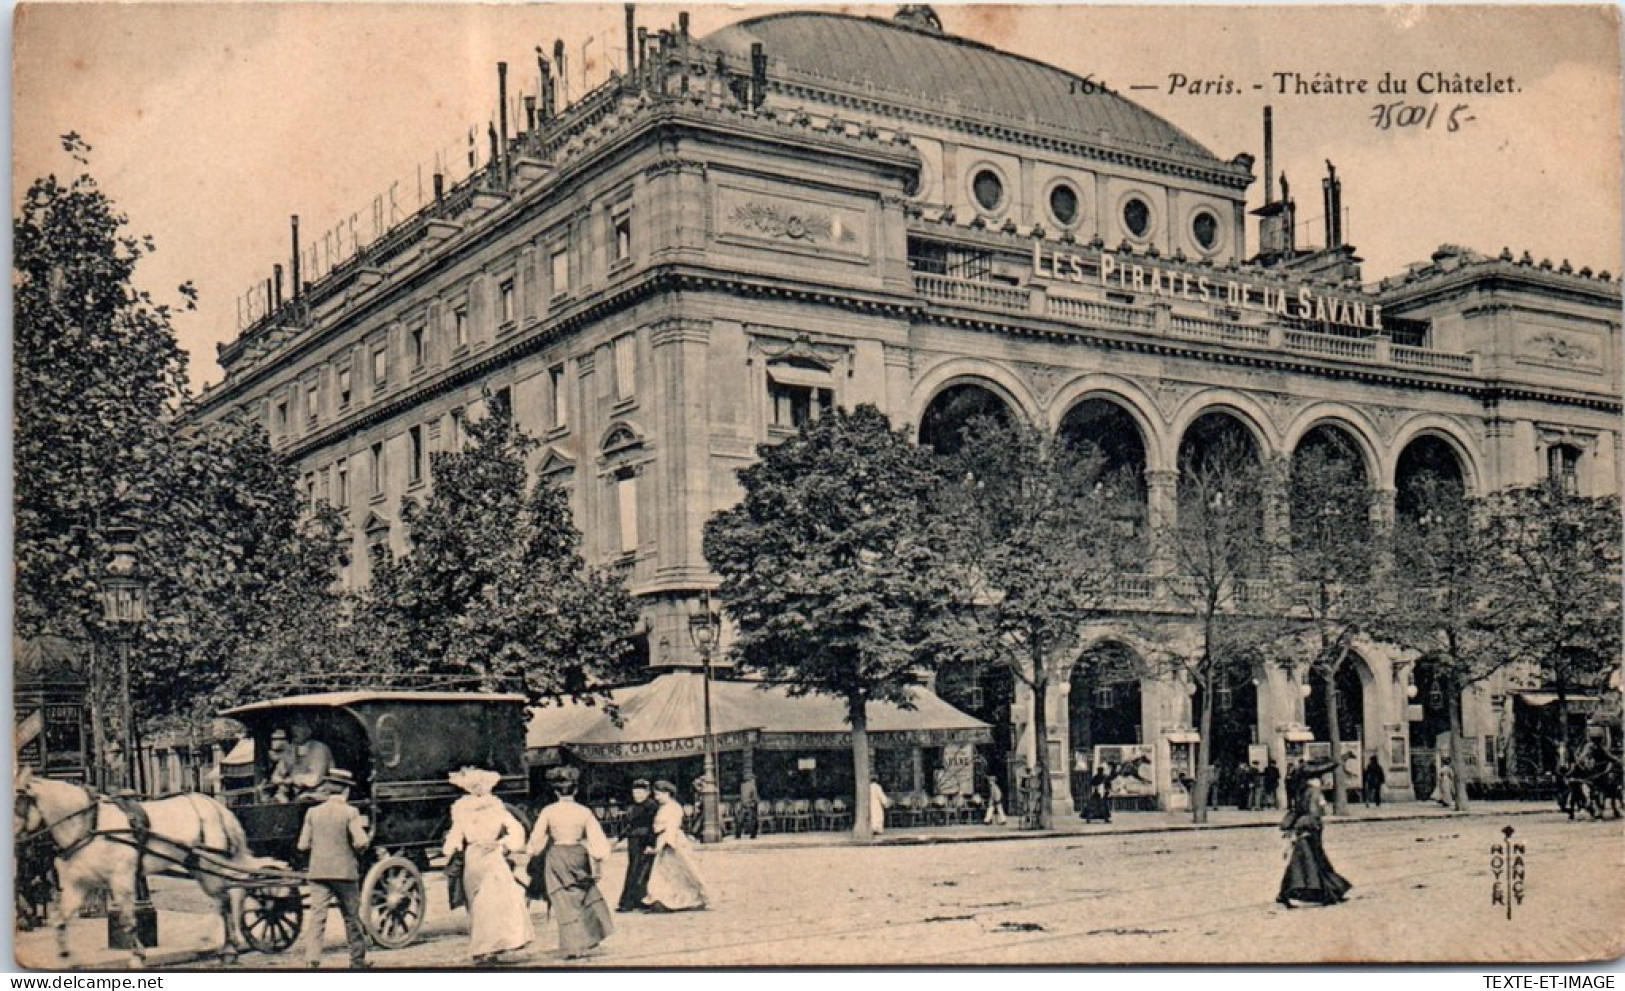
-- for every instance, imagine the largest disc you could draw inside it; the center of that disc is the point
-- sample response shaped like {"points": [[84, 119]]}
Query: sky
{"points": [[211, 123]]}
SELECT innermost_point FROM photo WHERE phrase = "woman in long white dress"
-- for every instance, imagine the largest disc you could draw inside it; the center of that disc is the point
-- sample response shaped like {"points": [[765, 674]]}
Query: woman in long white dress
{"points": [[487, 833], [675, 884], [569, 847]]}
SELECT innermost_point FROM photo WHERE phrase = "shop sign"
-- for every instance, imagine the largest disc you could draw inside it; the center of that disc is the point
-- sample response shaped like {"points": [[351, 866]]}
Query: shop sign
{"points": [[660, 749]]}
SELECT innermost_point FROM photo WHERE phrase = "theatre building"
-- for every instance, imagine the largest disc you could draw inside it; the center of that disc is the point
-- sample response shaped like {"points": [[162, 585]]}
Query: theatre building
{"points": [[810, 210]]}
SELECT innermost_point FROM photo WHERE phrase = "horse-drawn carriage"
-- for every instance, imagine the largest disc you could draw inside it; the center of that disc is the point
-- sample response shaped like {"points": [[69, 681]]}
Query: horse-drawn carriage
{"points": [[399, 746]]}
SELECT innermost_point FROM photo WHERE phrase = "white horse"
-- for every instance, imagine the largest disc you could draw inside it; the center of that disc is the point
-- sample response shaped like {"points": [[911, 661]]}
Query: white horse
{"points": [[96, 846]]}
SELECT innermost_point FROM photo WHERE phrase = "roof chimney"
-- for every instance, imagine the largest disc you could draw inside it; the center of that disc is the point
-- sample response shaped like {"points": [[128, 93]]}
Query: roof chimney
{"points": [[1269, 155], [502, 115], [631, 40], [296, 256], [682, 36]]}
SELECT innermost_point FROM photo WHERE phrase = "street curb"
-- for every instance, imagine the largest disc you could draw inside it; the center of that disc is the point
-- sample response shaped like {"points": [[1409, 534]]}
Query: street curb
{"points": [[845, 840]]}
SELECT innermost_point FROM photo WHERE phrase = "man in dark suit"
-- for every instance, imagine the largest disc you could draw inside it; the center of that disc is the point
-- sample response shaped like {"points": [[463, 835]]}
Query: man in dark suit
{"points": [[333, 835], [640, 838]]}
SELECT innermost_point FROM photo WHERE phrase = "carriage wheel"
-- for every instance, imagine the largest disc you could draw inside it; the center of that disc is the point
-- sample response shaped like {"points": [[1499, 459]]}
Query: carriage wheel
{"points": [[393, 902], [271, 918]]}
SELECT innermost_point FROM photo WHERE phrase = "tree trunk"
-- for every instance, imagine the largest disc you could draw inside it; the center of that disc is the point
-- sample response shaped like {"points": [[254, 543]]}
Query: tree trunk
{"points": [[1203, 747], [1043, 819], [1566, 749], [1340, 785], [1453, 704], [858, 715]]}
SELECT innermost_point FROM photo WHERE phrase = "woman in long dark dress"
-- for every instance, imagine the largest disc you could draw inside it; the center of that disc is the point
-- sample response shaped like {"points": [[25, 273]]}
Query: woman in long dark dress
{"points": [[1098, 803], [569, 847], [1309, 875]]}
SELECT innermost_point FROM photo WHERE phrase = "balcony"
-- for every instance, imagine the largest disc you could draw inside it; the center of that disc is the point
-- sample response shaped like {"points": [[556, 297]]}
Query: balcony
{"points": [[1158, 320]]}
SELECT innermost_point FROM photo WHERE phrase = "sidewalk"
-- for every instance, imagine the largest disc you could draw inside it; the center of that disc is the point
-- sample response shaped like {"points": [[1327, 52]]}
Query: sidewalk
{"points": [[1130, 823], [193, 937], [183, 938]]}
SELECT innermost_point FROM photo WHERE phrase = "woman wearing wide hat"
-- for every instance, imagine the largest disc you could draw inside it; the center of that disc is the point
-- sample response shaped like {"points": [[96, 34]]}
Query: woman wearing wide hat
{"points": [[486, 834], [1309, 876], [569, 847]]}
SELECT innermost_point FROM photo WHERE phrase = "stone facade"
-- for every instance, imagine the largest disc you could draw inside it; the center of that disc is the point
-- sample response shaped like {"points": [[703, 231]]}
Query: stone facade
{"points": [[683, 264]]}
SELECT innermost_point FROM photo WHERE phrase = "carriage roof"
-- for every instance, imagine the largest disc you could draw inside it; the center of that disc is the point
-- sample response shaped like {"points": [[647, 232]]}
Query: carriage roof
{"points": [[395, 736]]}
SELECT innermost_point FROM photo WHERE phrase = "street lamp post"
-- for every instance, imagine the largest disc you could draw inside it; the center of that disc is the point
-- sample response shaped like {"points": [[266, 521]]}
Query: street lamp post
{"points": [[124, 605], [702, 629]]}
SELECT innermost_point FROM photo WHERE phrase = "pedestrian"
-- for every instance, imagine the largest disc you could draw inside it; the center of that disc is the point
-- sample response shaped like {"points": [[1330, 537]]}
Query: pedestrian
{"points": [[879, 802], [486, 834], [569, 847], [675, 884], [1309, 876], [1371, 784], [995, 803], [750, 800], [333, 834], [1445, 792], [640, 852], [1242, 783], [1097, 804], [1270, 781]]}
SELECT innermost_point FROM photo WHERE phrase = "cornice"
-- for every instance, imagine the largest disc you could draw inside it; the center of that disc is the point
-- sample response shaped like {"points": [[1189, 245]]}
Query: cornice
{"points": [[1010, 133], [687, 278]]}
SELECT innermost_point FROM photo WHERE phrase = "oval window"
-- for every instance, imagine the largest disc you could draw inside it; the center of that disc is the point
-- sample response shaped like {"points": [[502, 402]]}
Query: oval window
{"points": [[1137, 217], [1063, 204], [1205, 228], [988, 189]]}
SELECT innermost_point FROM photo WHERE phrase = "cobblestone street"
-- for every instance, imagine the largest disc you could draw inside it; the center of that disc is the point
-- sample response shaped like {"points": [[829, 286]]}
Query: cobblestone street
{"points": [[1170, 896]]}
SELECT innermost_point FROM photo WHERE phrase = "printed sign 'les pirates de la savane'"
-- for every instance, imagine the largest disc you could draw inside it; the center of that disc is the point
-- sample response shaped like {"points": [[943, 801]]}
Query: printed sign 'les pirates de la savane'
{"points": [[1301, 302]]}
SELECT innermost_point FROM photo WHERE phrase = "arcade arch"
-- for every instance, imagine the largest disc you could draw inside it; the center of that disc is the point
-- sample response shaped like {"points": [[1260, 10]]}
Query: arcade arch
{"points": [[1214, 442], [1329, 489], [1428, 459], [943, 421], [1110, 429], [1104, 703]]}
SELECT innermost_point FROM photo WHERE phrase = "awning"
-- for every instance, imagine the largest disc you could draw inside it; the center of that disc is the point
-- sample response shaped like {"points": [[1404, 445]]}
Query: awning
{"points": [[665, 719], [1580, 703]]}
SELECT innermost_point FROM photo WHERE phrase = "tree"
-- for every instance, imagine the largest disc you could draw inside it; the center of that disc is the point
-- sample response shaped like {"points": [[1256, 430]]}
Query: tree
{"points": [[98, 378], [1557, 585], [1219, 554], [247, 577], [834, 569], [1036, 544], [1443, 604], [101, 439], [494, 589], [1333, 556]]}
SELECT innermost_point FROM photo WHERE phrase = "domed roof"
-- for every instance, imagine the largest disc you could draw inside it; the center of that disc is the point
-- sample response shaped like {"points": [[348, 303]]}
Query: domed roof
{"points": [[935, 71]]}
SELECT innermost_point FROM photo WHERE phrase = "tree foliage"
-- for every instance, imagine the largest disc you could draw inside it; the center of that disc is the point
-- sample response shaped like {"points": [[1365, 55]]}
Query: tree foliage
{"points": [[833, 570], [1557, 584], [98, 379], [1444, 602], [494, 590], [101, 440], [1038, 536], [1334, 557], [1221, 560]]}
